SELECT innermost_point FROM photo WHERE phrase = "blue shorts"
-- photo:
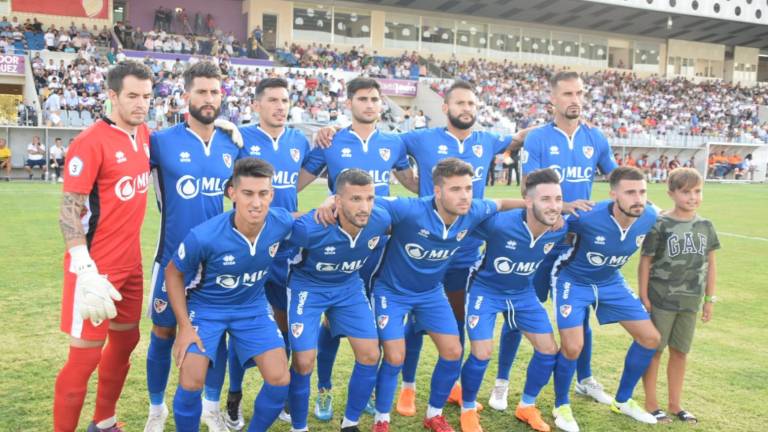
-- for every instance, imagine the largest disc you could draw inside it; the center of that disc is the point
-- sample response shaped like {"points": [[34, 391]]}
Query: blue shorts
{"points": [[522, 310], [277, 281], [347, 309], [429, 311], [159, 309], [457, 279], [35, 163], [613, 302], [250, 335]]}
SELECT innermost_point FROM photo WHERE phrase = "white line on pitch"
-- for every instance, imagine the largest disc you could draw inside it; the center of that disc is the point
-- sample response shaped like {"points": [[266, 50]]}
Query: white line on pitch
{"points": [[742, 236]]}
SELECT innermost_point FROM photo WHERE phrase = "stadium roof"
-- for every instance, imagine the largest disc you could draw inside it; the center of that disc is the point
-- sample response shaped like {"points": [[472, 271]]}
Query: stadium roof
{"points": [[599, 17]]}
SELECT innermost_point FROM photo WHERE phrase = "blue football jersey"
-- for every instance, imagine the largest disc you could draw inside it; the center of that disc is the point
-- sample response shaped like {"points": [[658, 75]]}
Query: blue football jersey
{"points": [[287, 154], [602, 247], [328, 257], [227, 271], [430, 146], [420, 247], [575, 161], [378, 156], [512, 255], [190, 178]]}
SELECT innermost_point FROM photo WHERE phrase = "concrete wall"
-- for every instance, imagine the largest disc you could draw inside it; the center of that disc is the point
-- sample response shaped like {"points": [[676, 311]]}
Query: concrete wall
{"points": [[228, 14]]}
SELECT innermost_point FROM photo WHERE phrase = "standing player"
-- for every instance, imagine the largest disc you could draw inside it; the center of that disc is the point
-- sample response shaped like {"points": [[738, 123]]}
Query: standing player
{"points": [[105, 195], [575, 151], [286, 149], [226, 260], [589, 274], [325, 279], [378, 153], [191, 164], [517, 243], [426, 234]]}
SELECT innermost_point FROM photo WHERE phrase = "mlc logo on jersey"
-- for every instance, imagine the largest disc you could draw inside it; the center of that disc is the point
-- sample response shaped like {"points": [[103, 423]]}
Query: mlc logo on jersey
{"points": [[504, 265], [573, 174], [416, 251], [127, 187], [227, 281], [384, 153], [597, 259], [189, 187]]}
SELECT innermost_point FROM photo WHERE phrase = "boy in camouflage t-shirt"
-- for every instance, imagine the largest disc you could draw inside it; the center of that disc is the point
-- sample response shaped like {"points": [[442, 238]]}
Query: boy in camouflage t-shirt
{"points": [[677, 271]]}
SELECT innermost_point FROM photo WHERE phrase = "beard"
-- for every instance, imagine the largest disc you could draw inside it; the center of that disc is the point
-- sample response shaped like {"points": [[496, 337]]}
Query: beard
{"points": [[197, 113], [540, 216], [456, 122], [350, 217], [570, 115], [628, 212]]}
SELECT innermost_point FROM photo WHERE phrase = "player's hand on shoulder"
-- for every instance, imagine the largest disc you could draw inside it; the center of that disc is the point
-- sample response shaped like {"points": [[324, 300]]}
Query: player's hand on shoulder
{"points": [[96, 295], [573, 206], [231, 129], [325, 136], [326, 212], [186, 336]]}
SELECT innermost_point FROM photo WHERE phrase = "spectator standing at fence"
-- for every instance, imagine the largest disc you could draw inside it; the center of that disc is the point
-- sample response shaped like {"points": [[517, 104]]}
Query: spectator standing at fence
{"points": [[36, 157], [5, 159]]}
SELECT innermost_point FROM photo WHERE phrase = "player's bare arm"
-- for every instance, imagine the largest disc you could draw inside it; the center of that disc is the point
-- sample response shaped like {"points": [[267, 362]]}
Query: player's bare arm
{"points": [[709, 306], [186, 335], [305, 178], [517, 143], [509, 204], [70, 212], [643, 275], [408, 179]]}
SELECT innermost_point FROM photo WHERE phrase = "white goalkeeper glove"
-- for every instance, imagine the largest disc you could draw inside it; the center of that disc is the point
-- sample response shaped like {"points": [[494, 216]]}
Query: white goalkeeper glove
{"points": [[231, 129], [95, 296]]}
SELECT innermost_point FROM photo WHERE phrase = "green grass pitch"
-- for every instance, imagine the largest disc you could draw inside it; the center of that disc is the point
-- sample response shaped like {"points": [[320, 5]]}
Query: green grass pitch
{"points": [[727, 369]]}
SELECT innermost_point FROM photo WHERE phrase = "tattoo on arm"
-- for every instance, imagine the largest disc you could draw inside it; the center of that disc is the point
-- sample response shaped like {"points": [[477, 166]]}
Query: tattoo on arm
{"points": [[72, 206]]}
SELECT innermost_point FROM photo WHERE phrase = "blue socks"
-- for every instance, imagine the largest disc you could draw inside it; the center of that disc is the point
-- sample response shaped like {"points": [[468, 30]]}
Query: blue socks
{"points": [[361, 385], [471, 378], [236, 372], [539, 370], [413, 343], [443, 377], [637, 361], [158, 367], [187, 408], [298, 396], [584, 366], [508, 345], [267, 407], [386, 384], [214, 379], [327, 347], [564, 371]]}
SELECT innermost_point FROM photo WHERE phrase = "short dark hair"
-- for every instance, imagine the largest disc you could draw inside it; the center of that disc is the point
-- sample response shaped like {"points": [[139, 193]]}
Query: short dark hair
{"points": [[354, 177], [362, 83], [458, 84], [126, 68], [203, 69], [624, 173], [450, 167], [270, 83], [562, 76], [251, 167], [541, 176]]}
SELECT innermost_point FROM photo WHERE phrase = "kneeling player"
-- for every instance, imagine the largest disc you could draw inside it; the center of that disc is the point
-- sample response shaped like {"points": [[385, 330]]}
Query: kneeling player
{"points": [[228, 258], [607, 236], [517, 242], [325, 279]]}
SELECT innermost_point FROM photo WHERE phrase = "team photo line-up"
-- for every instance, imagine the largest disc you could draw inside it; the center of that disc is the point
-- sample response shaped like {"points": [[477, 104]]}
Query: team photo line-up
{"points": [[267, 286]]}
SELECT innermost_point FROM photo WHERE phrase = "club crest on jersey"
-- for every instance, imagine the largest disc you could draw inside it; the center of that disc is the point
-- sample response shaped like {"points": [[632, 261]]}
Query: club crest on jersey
{"points": [[295, 154], [548, 247], [460, 236], [227, 159], [472, 321], [160, 305], [297, 329], [639, 240], [273, 249], [477, 149], [384, 153], [565, 310], [588, 151], [382, 321], [373, 242], [442, 149]]}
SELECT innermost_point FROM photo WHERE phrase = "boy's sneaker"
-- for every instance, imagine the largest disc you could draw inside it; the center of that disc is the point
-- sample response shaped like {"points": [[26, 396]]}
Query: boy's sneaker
{"points": [[633, 409], [590, 387], [532, 416], [234, 417], [499, 396], [564, 418], [324, 405], [156, 420]]}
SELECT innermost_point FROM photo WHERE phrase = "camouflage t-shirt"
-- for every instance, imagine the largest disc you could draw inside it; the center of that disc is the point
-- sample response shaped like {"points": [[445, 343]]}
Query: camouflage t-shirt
{"points": [[679, 267]]}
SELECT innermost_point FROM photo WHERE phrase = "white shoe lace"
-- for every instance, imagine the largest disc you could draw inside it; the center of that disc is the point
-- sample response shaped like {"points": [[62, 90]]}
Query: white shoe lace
{"points": [[498, 392], [215, 422]]}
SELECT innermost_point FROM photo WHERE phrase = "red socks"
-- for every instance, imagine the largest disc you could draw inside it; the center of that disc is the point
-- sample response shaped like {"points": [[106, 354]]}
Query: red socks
{"points": [[113, 369], [71, 386]]}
